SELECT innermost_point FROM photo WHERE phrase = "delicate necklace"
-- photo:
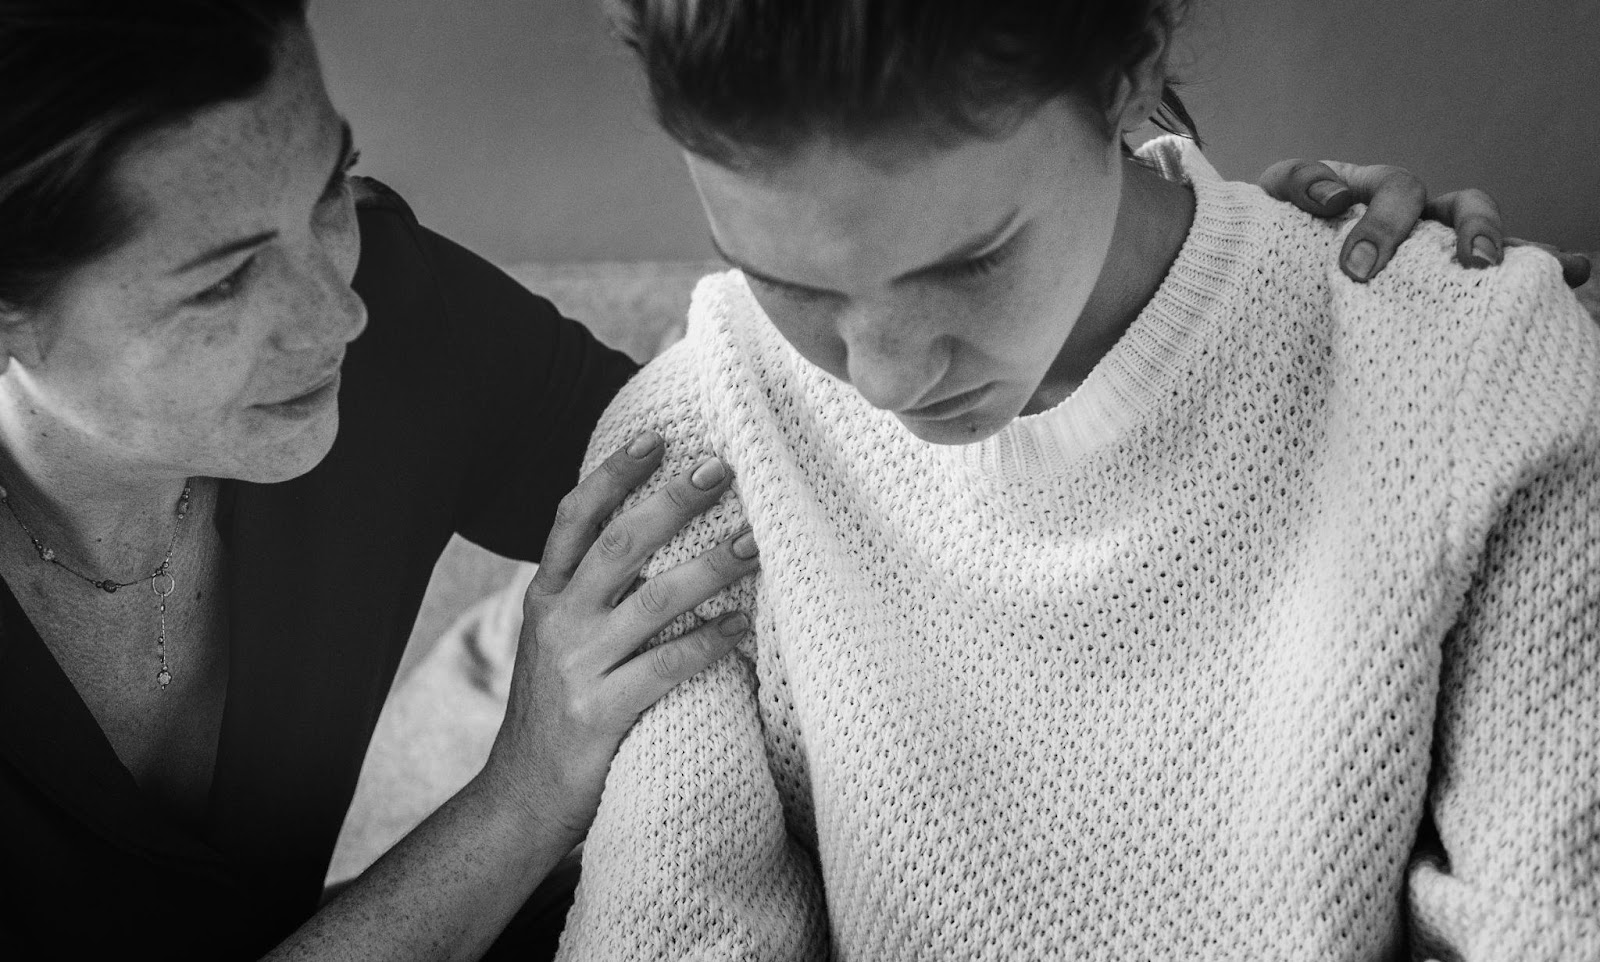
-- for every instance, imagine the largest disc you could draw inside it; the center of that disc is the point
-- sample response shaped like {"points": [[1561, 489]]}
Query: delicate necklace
{"points": [[162, 584]]}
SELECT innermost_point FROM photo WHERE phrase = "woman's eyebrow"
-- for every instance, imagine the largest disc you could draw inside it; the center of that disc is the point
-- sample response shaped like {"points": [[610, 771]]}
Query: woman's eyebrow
{"points": [[346, 145], [223, 250], [764, 278], [974, 247]]}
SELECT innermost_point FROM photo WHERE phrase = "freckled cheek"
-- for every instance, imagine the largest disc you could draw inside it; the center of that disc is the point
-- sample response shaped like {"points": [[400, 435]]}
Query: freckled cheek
{"points": [[210, 372]]}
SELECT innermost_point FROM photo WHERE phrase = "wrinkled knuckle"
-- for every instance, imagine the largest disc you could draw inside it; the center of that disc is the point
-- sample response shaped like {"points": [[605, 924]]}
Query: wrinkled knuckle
{"points": [[616, 467], [654, 598], [667, 661], [1482, 202], [615, 542], [1285, 173], [682, 496]]}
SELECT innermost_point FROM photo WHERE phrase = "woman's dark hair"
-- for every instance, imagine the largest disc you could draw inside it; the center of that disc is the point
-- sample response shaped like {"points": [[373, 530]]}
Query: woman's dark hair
{"points": [[83, 78], [732, 79]]}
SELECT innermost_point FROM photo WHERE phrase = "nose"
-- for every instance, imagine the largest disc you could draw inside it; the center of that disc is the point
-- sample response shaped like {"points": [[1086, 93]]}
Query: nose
{"points": [[328, 312], [892, 366]]}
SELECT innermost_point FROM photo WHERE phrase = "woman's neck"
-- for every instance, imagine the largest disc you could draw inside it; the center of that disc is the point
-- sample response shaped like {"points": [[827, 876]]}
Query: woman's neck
{"points": [[1153, 220], [99, 516]]}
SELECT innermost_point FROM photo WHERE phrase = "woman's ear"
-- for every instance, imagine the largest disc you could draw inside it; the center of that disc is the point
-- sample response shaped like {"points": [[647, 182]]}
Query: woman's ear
{"points": [[1136, 96], [19, 337]]}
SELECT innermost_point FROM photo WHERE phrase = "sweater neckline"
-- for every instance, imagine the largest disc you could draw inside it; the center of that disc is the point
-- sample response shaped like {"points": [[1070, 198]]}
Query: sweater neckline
{"points": [[1147, 371]]}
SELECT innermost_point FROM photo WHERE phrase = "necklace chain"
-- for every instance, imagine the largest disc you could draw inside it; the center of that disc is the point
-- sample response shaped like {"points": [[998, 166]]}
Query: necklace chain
{"points": [[162, 583]]}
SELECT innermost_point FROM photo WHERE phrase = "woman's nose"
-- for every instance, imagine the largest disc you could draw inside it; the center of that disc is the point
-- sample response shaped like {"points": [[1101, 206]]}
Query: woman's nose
{"points": [[329, 314], [893, 371]]}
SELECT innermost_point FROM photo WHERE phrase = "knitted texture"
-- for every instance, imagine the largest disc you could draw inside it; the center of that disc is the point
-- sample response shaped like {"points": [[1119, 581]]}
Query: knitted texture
{"points": [[1278, 639]]}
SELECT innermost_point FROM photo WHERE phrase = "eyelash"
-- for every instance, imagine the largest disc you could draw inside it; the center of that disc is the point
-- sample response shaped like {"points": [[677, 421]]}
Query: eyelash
{"points": [[229, 287], [979, 266], [226, 288], [343, 180]]}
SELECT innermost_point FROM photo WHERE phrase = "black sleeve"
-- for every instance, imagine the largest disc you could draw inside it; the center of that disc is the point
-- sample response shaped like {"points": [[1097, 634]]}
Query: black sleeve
{"points": [[535, 384]]}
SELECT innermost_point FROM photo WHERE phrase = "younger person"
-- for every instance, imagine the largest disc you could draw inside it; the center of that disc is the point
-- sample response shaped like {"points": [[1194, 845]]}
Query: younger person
{"points": [[1135, 584]]}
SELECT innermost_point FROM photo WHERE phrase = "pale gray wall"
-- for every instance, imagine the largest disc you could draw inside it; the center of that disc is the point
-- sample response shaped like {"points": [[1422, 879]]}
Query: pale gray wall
{"points": [[518, 127]]}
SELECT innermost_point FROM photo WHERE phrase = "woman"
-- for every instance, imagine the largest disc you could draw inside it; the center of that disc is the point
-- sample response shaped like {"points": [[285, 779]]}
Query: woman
{"points": [[1134, 584], [245, 402]]}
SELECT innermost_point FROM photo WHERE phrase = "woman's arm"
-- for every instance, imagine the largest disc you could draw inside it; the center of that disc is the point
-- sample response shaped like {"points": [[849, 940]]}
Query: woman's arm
{"points": [[1512, 870], [579, 682], [690, 855]]}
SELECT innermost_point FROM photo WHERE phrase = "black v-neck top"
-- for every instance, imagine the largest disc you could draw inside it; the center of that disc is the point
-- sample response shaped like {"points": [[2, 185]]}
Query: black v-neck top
{"points": [[465, 407]]}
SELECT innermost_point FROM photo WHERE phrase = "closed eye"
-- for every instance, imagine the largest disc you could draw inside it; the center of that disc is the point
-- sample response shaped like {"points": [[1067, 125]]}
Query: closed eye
{"points": [[227, 288], [979, 266]]}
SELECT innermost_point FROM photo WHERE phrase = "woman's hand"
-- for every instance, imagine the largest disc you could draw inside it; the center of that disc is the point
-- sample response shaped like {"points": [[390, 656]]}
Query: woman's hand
{"points": [[580, 679], [1396, 199]]}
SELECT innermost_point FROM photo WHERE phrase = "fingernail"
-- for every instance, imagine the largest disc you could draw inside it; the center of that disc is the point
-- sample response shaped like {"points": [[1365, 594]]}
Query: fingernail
{"points": [[1361, 259], [745, 547], [1485, 251], [734, 624], [709, 474], [643, 444], [1326, 192]]}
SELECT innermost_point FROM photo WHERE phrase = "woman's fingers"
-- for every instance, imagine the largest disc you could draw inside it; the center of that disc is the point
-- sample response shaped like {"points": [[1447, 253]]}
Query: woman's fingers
{"points": [[673, 592], [1480, 240], [613, 561], [643, 679], [586, 507], [1310, 185], [1395, 199], [1576, 268]]}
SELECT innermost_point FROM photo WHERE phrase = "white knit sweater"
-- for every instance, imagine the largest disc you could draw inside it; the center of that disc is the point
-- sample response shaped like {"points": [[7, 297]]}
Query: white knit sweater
{"points": [[1176, 670]]}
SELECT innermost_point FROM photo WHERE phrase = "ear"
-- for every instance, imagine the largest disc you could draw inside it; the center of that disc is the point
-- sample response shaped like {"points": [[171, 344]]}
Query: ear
{"points": [[1139, 86], [19, 337]]}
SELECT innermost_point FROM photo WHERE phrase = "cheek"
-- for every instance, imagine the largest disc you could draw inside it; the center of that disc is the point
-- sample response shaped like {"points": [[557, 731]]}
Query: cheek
{"points": [[809, 327], [340, 236]]}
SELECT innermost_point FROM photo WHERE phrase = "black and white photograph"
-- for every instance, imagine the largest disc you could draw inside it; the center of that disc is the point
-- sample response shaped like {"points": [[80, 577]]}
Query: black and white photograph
{"points": [[800, 480]]}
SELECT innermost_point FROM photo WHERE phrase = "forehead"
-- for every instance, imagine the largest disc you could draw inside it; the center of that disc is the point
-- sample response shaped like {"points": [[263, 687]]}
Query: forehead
{"points": [[226, 167], [900, 202]]}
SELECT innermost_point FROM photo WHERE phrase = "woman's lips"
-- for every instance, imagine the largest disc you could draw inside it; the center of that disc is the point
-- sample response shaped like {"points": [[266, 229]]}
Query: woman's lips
{"points": [[951, 406], [310, 395]]}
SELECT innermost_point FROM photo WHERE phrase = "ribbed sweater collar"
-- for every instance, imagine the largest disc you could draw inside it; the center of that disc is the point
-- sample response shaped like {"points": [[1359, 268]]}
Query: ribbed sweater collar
{"points": [[1149, 369]]}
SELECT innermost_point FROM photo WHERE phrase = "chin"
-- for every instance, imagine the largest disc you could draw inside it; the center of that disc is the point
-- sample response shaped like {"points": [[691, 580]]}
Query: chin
{"points": [[292, 457], [967, 429]]}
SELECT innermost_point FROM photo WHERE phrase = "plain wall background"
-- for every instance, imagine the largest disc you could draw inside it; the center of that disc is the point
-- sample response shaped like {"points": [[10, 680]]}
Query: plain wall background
{"points": [[519, 127]]}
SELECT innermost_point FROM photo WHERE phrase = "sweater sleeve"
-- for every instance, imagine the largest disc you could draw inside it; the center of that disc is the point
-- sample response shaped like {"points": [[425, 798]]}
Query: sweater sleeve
{"points": [[689, 855], [1515, 800]]}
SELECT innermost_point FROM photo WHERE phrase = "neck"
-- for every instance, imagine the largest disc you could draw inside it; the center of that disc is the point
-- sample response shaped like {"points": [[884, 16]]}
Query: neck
{"points": [[1153, 220], [108, 519]]}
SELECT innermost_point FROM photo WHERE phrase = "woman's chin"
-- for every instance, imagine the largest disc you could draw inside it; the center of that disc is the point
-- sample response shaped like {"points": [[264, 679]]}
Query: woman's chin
{"points": [[969, 428], [291, 457]]}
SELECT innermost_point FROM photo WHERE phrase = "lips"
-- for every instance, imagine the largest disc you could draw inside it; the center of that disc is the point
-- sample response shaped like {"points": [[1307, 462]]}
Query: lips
{"points": [[311, 389], [950, 406]]}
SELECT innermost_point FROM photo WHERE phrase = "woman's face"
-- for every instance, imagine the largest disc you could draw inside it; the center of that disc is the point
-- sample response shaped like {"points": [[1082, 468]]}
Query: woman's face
{"points": [[210, 342], [941, 284]]}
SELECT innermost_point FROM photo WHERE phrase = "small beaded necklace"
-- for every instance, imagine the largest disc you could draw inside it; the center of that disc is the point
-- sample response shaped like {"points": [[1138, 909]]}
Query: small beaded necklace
{"points": [[162, 583]]}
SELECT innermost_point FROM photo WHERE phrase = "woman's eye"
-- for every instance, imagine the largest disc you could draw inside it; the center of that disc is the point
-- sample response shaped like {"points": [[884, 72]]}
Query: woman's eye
{"points": [[227, 288], [979, 266], [342, 181]]}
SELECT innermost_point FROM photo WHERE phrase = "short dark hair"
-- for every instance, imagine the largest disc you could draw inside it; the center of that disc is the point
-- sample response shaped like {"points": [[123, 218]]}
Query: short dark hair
{"points": [[735, 78], [83, 78]]}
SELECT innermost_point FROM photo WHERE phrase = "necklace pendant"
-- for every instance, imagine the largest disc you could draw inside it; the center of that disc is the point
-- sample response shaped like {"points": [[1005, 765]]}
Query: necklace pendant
{"points": [[163, 678], [108, 586]]}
